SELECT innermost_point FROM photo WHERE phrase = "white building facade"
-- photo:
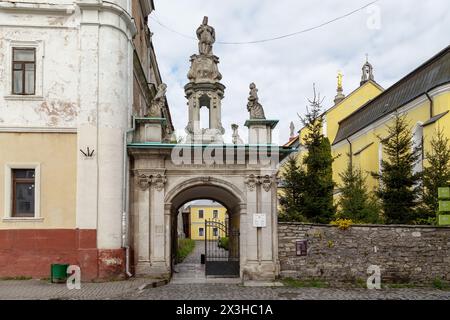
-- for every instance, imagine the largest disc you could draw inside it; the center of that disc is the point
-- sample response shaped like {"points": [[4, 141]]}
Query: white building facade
{"points": [[73, 75]]}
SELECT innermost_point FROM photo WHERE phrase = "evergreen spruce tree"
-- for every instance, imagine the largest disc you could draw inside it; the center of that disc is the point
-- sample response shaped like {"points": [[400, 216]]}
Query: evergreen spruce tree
{"points": [[291, 199], [436, 174], [318, 192], [398, 189], [355, 202]]}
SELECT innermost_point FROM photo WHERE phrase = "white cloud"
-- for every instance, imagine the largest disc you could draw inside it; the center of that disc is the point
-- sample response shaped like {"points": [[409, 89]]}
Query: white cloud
{"points": [[284, 70]]}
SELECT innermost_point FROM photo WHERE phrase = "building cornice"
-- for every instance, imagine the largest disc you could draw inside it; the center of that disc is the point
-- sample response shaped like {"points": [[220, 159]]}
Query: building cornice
{"points": [[39, 129], [62, 9]]}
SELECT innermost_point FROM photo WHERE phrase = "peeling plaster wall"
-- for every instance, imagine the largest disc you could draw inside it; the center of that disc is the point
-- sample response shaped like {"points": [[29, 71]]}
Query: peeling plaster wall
{"points": [[57, 69], [84, 84]]}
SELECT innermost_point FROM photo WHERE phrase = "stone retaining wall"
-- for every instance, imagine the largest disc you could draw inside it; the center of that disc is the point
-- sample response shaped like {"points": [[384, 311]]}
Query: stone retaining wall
{"points": [[405, 254]]}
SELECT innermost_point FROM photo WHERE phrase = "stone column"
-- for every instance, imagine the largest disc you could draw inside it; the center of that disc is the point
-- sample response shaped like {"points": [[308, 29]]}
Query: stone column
{"points": [[142, 225], [247, 228], [159, 228]]}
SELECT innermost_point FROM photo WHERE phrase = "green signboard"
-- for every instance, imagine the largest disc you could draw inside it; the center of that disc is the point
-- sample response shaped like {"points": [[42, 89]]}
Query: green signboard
{"points": [[444, 193], [444, 205], [444, 219]]}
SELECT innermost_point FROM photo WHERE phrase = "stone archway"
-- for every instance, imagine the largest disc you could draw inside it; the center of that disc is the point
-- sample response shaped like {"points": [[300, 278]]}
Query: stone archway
{"points": [[210, 188], [241, 176]]}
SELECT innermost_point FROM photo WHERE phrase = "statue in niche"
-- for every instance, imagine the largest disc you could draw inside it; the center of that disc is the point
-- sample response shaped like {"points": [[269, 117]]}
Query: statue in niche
{"points": [[253, 106], [206, 36], [158, 101]]}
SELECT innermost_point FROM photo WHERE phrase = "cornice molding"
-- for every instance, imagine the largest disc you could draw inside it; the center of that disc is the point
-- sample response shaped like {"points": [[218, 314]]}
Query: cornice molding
{"points": [[62, 9]]}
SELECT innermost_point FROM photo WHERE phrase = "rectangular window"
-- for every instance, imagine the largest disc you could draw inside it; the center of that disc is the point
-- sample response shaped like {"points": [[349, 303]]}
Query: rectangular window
{"points": [[23, 192], [200, 214], [215, 214], [201, 232], [24, 71], [215, 232]]}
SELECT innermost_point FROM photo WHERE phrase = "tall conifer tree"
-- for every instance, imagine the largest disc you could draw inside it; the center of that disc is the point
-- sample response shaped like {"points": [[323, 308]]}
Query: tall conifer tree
{"points": [[318, 192], [399, 185]]}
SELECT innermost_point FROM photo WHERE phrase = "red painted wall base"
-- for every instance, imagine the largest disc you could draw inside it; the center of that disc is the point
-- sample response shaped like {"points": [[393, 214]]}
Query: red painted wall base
{"points": [[31, 252]]}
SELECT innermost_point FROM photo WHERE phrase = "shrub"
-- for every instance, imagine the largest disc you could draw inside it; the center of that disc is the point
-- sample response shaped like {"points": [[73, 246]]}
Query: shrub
{"points": [[223, 243], [342, 224]]}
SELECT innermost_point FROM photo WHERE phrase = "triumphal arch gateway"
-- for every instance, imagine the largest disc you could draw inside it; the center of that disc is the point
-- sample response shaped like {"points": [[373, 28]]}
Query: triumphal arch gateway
{"points": [[242, 177]]}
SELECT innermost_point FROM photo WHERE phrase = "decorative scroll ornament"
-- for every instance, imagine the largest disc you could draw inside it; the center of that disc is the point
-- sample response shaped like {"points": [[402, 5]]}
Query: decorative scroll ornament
{"points": [[159, 181], [266, 181], [251, 182], [143, 182]]}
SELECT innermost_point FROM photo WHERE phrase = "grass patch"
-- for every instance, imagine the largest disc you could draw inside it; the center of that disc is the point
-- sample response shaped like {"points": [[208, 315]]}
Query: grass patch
{"points": [[17, 278], [441, 285], [295, 283], [185, 247]]}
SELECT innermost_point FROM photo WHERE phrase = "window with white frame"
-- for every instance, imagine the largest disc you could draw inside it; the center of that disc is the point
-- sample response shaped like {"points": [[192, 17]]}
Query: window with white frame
{"points": [[24, 62], [22, 191], [23, 71], [215, 214], [201, 232]]}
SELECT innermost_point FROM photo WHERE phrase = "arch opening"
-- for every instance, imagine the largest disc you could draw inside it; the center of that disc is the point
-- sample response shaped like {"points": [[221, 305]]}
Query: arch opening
{"points": [[213, 226]]}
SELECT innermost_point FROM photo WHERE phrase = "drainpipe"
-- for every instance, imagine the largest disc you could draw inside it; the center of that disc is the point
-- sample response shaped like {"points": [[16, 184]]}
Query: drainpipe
{"points": [[351, 152], [431, 105], [125, 201]]}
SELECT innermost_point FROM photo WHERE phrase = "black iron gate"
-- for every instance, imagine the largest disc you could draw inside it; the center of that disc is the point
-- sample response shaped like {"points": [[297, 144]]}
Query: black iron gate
{"points": [[221, 249]]}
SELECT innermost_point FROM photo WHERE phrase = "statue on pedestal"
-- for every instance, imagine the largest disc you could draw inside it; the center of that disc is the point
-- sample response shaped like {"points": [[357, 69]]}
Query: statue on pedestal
{"points": [[236, 139], [206, 36], [158, 101], [253, 106]]}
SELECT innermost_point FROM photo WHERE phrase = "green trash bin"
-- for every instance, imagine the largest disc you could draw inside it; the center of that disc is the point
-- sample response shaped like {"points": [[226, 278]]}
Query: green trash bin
{"points": [[58, 273]]}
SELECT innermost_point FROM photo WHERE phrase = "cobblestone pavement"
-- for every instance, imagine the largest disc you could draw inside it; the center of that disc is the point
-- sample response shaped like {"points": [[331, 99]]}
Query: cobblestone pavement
{"points": [[43, 289], [235, 292], [194, 256], [37, 289], [191, 270]]}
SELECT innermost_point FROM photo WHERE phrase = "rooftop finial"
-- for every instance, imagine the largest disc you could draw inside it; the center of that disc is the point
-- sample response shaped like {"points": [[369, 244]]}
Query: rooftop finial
{"points": [[339, 96], [339, 81]]}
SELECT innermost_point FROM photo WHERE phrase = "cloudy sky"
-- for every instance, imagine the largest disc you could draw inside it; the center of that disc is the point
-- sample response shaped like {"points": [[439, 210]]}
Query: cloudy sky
{"points": [[397, 35]]}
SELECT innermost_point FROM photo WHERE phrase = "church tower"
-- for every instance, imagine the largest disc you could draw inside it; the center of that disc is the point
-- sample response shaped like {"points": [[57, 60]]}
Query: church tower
{"points": [[367, 72], [204, 90]]}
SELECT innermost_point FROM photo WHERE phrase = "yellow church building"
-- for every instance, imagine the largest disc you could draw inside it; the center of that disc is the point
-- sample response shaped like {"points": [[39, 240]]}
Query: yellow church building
{"points": [[202, 210], [356, 121]]}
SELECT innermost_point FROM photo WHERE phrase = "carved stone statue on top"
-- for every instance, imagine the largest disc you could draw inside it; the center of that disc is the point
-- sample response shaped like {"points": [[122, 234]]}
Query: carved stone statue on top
{"points": [[253, 106], [158, 101], [292, 129], [236, 139], [206, 36]]}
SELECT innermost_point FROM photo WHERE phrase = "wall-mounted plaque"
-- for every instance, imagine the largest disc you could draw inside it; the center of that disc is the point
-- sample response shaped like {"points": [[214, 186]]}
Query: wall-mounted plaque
{"points": [[301, 247], [259, 220]]}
